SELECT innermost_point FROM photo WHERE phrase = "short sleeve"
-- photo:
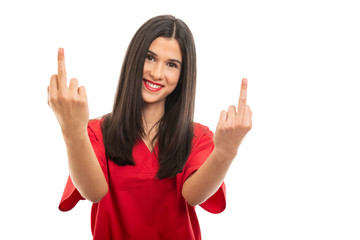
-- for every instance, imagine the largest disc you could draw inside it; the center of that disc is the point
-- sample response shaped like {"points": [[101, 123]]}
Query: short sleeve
{"points": [[203, 145], [71, 195]]}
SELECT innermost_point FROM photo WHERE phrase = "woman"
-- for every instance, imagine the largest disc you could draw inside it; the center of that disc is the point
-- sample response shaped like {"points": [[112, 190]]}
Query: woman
{"points": [[146, 165]]}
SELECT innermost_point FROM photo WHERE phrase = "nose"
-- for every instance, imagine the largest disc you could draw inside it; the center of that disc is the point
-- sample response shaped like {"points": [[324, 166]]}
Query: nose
{"points": [[157, 72]]}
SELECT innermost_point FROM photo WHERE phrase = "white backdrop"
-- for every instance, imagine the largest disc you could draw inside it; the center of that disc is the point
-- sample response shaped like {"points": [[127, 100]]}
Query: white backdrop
{"points": [[297, 172]]}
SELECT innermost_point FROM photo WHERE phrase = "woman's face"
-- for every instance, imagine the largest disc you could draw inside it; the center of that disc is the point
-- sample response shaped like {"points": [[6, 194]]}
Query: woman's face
{"points": [[162, 70]]}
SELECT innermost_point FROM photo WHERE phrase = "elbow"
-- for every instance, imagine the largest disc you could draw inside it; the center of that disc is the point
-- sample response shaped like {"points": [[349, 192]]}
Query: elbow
{"points": [[99, 196], [191, 199], [192, 203], [96, 197]]}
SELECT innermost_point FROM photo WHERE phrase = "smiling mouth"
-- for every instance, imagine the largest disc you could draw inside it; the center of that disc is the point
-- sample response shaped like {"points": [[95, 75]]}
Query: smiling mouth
{"points": [[153, 87]]}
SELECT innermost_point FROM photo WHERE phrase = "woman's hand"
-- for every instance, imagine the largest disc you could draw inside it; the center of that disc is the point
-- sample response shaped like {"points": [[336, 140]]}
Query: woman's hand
{"points": [[231, 129], [233, 126], [69, 104]]}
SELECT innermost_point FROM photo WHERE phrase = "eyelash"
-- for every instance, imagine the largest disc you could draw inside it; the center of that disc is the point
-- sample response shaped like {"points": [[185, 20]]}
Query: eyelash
{"points": [[170, 64], [150, 57]]}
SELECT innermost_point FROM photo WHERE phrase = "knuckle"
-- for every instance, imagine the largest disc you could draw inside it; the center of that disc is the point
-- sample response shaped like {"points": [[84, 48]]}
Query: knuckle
{"points": [[82, 89], [80, 101], [230, 126], [238, 124], [242, 124], [53, 99], [248, 125], [220, 125], [62, 98], [74, 80]]}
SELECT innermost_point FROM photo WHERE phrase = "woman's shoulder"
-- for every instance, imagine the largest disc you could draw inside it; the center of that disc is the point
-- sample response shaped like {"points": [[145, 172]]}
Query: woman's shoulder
{"points": [[203, 139], [94, 126], [95, 122], [201, 130], [200, 127]]}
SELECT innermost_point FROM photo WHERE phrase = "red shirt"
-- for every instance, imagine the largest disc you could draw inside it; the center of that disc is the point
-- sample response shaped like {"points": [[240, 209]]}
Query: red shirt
{"points": [[139, 206]]}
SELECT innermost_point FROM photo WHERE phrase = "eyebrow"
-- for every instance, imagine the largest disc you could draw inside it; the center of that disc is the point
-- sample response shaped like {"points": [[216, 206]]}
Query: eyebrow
{"points": [[172, 60]]}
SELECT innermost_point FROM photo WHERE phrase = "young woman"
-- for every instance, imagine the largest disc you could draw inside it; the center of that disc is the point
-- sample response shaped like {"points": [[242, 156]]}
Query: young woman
{"points": [[146, 165]]}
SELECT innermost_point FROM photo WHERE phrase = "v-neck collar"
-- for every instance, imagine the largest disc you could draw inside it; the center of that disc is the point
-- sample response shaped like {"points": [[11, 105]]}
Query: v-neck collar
{"points": [[155, 149]]}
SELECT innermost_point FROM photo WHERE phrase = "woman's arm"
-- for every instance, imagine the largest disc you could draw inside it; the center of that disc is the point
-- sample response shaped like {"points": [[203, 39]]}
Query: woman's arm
{"points": [[72, 112], [202, 184], [84, 168], [231, 129]]}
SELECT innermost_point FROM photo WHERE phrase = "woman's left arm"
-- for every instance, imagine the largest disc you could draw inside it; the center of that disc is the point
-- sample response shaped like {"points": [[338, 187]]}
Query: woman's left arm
{"points": [[231, 129]]}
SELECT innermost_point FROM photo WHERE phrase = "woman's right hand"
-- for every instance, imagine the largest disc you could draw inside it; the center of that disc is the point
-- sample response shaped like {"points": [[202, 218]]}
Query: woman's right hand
{"points": [[69, 104]]}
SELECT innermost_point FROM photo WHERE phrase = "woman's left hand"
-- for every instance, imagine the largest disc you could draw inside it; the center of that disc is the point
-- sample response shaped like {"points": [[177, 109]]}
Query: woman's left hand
{"points": [[233, 126]]}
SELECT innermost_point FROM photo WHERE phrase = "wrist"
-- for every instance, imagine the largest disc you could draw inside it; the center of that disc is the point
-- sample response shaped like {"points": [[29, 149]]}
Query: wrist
{"points": [[224, 155], [73, 136]]}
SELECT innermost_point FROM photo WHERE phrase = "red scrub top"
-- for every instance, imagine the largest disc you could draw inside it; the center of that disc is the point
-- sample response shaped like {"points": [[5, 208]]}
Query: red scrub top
{"points": [[139, 206]]}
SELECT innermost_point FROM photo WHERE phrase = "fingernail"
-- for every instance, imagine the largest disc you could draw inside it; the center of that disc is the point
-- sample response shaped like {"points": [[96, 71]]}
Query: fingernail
{"points": [[61, 51]]}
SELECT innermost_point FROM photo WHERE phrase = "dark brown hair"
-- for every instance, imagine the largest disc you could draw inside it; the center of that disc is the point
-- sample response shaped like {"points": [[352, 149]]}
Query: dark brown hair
{"points": [[123, 126]]}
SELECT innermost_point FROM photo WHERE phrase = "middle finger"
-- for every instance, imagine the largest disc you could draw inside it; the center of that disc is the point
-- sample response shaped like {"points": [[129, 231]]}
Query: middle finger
{"points": [[61, 69], [243, 96]]}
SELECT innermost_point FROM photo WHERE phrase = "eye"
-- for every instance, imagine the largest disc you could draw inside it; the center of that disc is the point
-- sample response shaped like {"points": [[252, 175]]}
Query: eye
{"points": [[173, 65], [150, 57]]}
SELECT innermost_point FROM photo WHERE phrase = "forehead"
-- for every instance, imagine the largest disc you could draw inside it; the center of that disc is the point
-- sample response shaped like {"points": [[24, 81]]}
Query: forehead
{"points": [[166, 47]]}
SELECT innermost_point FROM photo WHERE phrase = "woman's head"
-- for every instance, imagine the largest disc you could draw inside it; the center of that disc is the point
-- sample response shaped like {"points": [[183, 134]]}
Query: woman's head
{"points": [[162, 69], [124, 125], [131, 84]]}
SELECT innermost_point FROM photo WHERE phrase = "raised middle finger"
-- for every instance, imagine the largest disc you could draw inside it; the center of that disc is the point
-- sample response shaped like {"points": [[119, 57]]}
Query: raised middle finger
{"points": [[61, 69], [243, 96]]}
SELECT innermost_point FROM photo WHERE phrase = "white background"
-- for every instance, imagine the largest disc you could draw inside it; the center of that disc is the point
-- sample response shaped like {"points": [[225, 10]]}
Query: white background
{"points": [[297, 174]]}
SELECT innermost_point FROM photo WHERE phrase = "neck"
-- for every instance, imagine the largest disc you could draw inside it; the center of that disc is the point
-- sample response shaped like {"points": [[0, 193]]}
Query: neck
{"points": [[151, 115]]}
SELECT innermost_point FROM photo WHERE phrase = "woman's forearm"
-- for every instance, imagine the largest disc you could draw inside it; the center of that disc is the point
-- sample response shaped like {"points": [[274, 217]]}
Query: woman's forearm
{"points": [[70, 106], [232, 127], [85, 170], [207, 179]]}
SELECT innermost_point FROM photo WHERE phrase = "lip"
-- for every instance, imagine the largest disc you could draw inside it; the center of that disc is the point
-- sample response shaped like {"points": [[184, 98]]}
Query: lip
{"points": [[151, 88]]}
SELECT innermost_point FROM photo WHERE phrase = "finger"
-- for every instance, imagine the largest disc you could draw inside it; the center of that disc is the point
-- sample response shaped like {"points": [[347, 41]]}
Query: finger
{"points": [[74, 85], [231, 114], [82, 91], [61, 69], [54, 83], [248, 110], [248, 113], [53, 88], [223, 116], [48, 95], [243, 96], [248, 117]]}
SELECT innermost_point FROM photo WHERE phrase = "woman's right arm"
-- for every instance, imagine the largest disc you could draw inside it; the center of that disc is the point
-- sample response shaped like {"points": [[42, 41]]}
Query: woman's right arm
{"points": [[85, 170], [71, 109]]}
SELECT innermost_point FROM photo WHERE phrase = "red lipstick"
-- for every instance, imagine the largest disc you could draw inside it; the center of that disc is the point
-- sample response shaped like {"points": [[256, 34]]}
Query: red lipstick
{"points": [[151, 86]]}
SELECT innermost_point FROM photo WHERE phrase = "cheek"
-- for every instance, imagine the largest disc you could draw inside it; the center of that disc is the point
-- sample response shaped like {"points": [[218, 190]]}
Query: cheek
{"points": [[147, 67], [174, 78], [144, 69]]}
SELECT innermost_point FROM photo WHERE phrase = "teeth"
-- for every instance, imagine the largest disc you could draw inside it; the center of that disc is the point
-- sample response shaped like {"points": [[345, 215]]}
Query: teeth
{"points": [[152, 85]]}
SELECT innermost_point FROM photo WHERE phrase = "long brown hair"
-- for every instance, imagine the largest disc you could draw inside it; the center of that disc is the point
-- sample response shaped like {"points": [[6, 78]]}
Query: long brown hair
{"points": [[123, 126]]}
